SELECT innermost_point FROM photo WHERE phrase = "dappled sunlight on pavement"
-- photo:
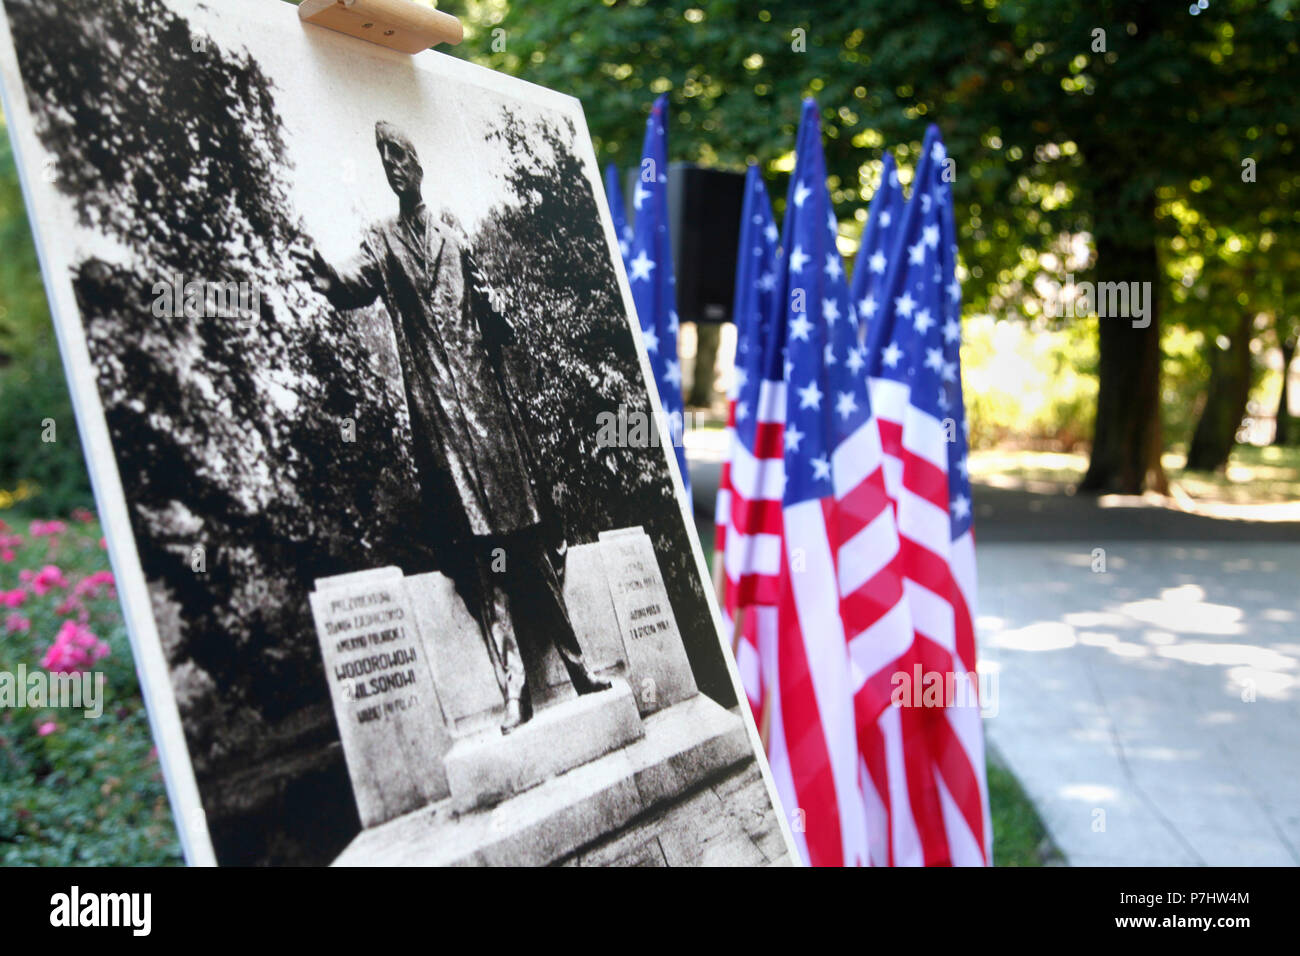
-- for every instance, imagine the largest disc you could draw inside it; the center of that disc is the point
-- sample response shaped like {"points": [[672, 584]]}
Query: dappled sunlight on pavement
{"points": [[1151, 709]]}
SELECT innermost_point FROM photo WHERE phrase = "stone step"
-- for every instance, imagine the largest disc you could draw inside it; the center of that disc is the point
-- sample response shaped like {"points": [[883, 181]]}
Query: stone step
{"points": [[487, 767], [684, 746]]}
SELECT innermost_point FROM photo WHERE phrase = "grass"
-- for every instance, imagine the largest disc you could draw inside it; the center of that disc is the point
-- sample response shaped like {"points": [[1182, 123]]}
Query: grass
{"points": [[1019, 837]]}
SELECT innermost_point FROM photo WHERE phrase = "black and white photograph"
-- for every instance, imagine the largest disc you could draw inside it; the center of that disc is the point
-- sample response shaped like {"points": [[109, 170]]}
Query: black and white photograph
{"points": [[353, 356]]}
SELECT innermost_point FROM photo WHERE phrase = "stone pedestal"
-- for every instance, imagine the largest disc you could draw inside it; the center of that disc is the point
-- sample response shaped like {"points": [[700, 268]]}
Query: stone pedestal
{"points": [[686, 746], [487, 768], [419, 702]]}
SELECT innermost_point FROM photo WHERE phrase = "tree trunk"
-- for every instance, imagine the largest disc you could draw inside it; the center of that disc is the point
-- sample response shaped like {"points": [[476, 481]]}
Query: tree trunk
{"points": [[1225, 401], [707, 336], [1282, 435], [1127, 440]]}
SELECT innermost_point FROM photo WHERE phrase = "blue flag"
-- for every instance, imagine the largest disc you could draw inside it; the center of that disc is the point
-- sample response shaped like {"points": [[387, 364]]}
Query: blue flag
{"points": [[650, 272], [614, 193], [755, 288], [873, 255], [826, 398], [917, 339]]}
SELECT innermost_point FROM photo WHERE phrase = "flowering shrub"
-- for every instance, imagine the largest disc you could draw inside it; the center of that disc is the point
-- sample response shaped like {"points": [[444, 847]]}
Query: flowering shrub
{"points": [[73, 790]]}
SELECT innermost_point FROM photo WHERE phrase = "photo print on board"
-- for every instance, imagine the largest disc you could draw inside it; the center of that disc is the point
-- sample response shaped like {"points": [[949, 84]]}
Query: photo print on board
{"points": [[342, 328]]}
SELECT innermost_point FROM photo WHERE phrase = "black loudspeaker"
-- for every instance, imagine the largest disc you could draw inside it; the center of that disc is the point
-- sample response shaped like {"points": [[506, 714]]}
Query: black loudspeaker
{"points": [[704, 209]]}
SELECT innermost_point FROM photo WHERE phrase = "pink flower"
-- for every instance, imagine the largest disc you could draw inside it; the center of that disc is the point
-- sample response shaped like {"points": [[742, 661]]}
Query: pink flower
{"points": [[84, 515], [17, 624], [103, 545], [7, 556], [46, 529], [74, 648], [14, 598], [93, 584], [46, 579], [47, 728]]}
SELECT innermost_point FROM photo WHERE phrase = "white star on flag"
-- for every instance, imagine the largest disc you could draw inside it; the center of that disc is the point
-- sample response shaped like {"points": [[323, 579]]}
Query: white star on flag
{"points": [[856, 360], [867, 307], [830, 310], [651, 340], [800, 328], [833, 267], [810, 396], [845, 404], [951, 331], [916, 254], [798, 259], [931, 236], [801, 193], [640, 196], [891, 355], [922, 322], [878, 263], [792, 438], [821, 468], [905, 304], [934, 359], [673, 374], [641, 267], [960, 507], [828, 355]]}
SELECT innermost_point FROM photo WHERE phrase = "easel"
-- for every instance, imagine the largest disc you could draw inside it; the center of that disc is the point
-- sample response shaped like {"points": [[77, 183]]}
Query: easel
{"points": [[397, 24]]}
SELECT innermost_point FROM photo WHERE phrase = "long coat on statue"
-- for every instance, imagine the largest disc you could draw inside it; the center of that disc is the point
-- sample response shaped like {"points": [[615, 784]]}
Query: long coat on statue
{"points": [[449, 342]]}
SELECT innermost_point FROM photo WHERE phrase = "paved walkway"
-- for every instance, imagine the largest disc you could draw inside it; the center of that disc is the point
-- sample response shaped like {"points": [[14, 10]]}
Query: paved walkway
{"points": [[1150, 710]]}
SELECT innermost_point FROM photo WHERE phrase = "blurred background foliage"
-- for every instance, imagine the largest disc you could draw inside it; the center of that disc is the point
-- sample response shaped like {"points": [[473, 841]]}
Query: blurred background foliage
{"points": [[1070, 143], [1107, 140]]}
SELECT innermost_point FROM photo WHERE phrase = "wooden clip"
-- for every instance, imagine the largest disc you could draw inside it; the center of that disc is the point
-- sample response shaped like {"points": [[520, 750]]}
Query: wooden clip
{"points": [[397, 24]]}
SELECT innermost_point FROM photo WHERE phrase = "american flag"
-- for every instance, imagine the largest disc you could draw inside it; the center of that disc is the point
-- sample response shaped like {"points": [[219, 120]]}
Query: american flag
{"points": [[915, 379], [843, 621], [748, 517], [869, 267], [650, 271], [614, 193]]}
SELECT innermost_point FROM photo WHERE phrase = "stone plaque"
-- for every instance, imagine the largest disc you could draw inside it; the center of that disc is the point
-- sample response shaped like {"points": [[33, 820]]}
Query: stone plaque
{"points": [[657, 667], [389, 717]]}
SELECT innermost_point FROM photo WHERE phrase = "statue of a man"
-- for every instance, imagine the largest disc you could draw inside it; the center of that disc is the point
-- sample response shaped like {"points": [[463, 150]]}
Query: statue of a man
{"points": [[468, 448]]}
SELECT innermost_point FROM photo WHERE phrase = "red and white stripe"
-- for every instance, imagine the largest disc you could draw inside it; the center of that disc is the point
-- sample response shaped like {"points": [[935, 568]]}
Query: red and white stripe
{"points": [[747, 534], [947, 791]]}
